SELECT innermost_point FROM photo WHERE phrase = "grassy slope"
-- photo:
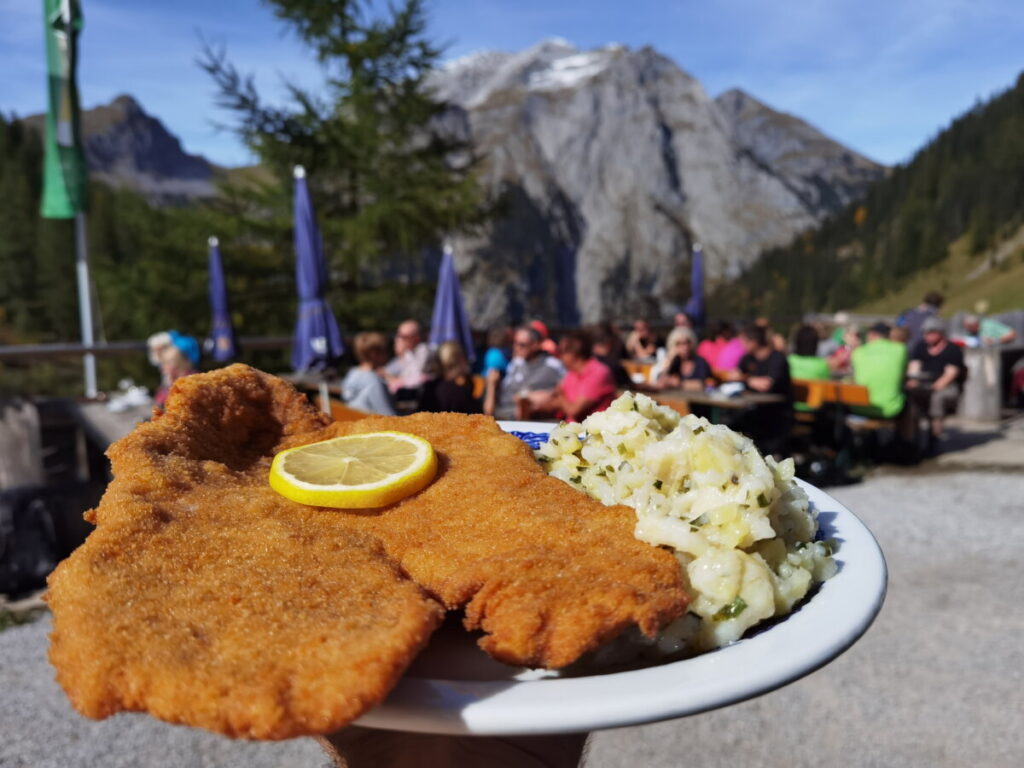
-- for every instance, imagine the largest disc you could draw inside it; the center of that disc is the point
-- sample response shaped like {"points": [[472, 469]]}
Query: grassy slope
{"points": [[1002, 285]]}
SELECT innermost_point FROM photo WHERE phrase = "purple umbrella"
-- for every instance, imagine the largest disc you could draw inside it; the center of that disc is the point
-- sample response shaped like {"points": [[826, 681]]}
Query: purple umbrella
{"points": [[449, 322], [317, 342], [222, 345], [695, 305]]}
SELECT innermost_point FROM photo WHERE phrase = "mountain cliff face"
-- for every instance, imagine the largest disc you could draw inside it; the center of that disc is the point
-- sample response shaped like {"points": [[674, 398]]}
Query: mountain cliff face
{"points": [[125, 146], [608, 165]]}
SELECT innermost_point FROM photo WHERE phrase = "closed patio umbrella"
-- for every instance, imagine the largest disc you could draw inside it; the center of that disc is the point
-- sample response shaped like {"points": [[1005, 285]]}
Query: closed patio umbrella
{"points": [[222, 334], [695, 305], [317, 342], [449, 321]]}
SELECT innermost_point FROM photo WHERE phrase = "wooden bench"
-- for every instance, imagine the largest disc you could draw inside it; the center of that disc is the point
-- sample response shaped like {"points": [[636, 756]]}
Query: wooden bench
{"points": [[816, 393]]}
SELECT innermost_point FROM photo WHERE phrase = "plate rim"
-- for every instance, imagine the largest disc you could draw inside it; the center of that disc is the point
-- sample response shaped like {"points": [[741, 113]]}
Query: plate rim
{"points": [[826, 626]]}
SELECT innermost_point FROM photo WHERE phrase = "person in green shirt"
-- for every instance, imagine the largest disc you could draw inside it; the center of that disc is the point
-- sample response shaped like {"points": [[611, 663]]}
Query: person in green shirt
{"points": [[880, 365], [804, 363]]}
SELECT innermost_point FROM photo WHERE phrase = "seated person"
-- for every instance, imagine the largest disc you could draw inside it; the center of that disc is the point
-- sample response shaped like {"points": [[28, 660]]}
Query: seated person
{"points": [[410, 367], [604, 348], [686, 369], [532, 373], [587, 387], [453, 389], [712, 345], [986, 331], [175, 355], [764, 369], [937, 361], [547, 344], [497, 354], [839, 362], [641, 344], [804, 362], [880, 365], [363, 388], [730, 351]]}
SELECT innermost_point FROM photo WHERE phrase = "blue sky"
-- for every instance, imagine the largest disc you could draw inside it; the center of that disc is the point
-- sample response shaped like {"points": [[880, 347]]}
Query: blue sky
{"points": [[882, 76]]}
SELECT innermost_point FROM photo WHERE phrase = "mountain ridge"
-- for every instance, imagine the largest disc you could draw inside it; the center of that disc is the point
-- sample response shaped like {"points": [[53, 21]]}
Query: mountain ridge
{"points": [[613, 162], [125, 146]]}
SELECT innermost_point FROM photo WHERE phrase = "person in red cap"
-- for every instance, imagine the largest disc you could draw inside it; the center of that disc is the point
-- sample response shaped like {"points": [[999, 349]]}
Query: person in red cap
{"points": [[546, 342]]}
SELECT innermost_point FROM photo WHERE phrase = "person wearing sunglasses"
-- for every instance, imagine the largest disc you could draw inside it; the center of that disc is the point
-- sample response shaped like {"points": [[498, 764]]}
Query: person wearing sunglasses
{"points": [[686, 369], [532, 374]]}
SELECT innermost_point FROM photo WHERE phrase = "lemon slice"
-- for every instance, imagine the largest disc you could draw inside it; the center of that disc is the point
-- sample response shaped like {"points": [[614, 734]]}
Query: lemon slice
{"points": [[355, 472]]}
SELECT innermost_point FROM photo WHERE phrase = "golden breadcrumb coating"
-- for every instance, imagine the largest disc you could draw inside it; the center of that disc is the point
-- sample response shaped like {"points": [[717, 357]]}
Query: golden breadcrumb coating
{"points": [[205, 598]]}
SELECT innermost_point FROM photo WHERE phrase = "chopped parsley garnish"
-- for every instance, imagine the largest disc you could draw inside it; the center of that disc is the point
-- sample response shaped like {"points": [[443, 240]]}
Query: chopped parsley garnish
{"points": [[732, 610], [657, 485], [698, 522], [698, 430], [762, 500]]}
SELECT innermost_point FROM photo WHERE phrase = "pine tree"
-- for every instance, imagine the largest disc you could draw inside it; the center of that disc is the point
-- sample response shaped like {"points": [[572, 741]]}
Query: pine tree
{"points": [[388, 180]]}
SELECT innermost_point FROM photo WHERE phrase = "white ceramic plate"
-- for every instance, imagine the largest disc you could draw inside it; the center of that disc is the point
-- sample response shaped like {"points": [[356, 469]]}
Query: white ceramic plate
{"points": [[455, 688]]}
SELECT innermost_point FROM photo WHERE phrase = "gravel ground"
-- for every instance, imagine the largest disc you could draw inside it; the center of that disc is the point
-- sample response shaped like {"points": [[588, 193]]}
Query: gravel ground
{"points": [[937, 681]]}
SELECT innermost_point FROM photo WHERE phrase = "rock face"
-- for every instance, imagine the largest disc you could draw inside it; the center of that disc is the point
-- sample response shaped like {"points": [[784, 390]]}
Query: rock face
{"points": [[608, 165], [125, 146]]}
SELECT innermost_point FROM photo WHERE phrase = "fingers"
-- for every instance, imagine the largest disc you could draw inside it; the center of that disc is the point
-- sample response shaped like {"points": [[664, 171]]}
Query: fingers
{"points": [[357, 747]]}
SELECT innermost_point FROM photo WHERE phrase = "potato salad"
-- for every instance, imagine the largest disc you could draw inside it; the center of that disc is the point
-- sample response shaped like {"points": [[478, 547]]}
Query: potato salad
{"points": [[737, 522]]}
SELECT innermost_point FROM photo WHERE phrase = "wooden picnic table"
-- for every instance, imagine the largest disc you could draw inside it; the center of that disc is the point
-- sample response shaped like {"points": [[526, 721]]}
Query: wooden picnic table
{"points": [[681, 400]]}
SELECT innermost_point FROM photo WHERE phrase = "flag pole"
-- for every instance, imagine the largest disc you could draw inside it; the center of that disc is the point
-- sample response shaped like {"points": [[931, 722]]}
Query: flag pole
{"points": [[65, 174], [85, 305]]}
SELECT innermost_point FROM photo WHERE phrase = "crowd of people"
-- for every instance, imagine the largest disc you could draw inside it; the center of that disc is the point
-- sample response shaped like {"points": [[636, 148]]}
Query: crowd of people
{"points": [[526, 374]]}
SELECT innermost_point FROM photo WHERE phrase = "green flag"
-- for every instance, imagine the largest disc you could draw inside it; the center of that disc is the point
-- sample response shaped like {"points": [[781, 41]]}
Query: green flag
{"points": [[64, 171]]}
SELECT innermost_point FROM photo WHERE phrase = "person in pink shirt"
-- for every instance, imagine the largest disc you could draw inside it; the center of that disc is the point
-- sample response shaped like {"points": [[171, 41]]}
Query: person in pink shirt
{"points": [[711, 346], [588, 385], [730, 353]]}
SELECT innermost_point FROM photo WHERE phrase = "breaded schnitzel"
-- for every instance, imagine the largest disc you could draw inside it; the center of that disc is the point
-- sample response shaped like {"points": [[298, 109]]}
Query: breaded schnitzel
{"points": [[205, 598], [547, 572]]}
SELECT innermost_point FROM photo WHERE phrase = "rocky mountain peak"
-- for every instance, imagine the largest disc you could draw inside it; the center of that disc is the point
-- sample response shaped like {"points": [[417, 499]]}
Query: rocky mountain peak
{"points": [[550, 65], [127, 147], [824, 174], [610, 163]]}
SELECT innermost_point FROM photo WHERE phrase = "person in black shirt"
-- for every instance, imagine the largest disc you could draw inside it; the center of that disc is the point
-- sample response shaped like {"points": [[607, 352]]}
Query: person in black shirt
{"points": [[937, 363], [764, 369], [453, 389], [608, 349], [686, 369]]}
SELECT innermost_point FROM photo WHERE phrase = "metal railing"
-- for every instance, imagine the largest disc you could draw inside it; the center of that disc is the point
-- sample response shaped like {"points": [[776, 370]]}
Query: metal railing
{"points": [[114, 348]]}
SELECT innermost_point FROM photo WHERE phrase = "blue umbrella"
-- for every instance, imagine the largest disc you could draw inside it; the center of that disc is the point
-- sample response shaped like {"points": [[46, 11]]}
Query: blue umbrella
{"points": [[317, 342], [695, 305], [449, 322], [222, 336]]}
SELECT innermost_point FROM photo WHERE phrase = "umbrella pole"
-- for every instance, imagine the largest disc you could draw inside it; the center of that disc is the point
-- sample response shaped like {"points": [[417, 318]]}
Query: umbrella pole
{"points": [[325, 396]]}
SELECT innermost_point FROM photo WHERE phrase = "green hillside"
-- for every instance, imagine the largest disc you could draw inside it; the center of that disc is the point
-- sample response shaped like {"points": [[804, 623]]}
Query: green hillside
{"points": [[934, 223], [996, 277]]}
